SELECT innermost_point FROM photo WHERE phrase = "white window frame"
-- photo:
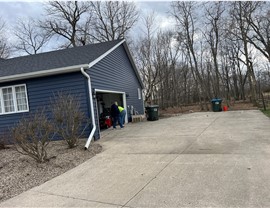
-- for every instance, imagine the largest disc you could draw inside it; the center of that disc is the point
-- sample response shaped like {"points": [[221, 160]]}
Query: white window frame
{"points": [[14, 99], [139, 94]]}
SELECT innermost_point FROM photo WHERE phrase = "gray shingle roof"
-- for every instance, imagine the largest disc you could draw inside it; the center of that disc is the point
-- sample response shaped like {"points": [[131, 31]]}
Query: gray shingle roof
{"points": [[54, 59]]}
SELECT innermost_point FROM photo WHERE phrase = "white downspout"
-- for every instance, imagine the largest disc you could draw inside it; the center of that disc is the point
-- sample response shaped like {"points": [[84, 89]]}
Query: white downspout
{"points": [[92, 110]]}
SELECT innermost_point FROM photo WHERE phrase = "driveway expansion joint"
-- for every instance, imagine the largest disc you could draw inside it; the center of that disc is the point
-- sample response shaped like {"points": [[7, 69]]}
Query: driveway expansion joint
{"points": [[151, 180], [71, 197], [197, 137]]}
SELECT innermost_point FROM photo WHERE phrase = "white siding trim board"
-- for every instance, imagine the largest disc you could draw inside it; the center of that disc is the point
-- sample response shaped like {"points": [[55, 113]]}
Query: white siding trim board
{"points": [[116, 92]]}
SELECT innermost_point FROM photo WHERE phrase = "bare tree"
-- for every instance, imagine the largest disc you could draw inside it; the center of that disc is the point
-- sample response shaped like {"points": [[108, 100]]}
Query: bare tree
{"points": [[67, 19], [214, 11], [31, 38], [112, 19], [239, 11], [145, 58], [184, 14], [259, 22], [4, 46], [166, 53]]}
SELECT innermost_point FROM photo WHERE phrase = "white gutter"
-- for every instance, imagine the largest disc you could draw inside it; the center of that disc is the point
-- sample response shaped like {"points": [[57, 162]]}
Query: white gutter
{"points": [[92, 110], [90, 91]]}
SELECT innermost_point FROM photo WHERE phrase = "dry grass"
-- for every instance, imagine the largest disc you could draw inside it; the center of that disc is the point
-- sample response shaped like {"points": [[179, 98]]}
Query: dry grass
{"points": [[20, 173], [236, 105], [242, 105]]}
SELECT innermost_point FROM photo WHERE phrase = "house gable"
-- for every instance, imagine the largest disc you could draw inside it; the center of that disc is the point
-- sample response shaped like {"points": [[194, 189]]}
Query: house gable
{"points": [[116, 73]]}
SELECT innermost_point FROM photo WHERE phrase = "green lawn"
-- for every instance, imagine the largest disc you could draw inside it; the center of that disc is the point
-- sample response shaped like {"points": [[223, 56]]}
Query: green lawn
{"points": [[266, 112]]}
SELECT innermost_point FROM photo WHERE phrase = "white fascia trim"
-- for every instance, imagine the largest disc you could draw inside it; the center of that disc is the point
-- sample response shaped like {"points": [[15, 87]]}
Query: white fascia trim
{"points": [[116, 92], [109, 91], [43, 73], [105, 54]]}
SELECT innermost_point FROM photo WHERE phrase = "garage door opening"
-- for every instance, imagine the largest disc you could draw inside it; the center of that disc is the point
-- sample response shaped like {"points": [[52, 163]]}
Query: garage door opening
{"points": [[104, 101]]}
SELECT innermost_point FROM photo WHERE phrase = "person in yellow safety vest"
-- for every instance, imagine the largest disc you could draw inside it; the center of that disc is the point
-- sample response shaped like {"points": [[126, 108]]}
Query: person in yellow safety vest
{"points": [[122, 115], [115, 113]]}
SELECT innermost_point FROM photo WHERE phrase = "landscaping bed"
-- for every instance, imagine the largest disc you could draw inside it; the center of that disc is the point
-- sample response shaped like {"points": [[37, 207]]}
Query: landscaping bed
{"points": [[176, 111], [20, 173]]}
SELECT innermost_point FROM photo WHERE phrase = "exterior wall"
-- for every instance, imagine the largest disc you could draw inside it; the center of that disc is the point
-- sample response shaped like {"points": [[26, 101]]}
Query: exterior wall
{"points": [[41, 90], [115, 73]]}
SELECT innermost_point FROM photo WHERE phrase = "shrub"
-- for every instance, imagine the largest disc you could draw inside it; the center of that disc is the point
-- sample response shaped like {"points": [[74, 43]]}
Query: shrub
{"points": [[4, 139], [32, 136], [2, 142], [68, 118]]}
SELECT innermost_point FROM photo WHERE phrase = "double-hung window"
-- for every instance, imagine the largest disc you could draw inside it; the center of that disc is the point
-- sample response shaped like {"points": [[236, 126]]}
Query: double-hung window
{"points": [[13, 99]]}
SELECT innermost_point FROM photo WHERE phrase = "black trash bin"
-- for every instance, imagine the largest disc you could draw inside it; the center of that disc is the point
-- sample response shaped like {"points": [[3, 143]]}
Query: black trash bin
{"points": [[216, 104], [152, 112]]}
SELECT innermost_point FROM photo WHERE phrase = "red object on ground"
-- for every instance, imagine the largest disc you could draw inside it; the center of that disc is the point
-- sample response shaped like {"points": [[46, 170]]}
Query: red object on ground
{"points": [[225, 108], [108, 121]]}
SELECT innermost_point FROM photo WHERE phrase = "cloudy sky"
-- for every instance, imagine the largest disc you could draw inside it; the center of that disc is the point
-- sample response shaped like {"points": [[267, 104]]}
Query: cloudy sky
{"points": [[11, 11]]}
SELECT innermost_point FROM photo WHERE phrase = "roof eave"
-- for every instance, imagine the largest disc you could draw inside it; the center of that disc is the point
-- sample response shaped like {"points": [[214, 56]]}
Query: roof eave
{"points": [[43, 73]]}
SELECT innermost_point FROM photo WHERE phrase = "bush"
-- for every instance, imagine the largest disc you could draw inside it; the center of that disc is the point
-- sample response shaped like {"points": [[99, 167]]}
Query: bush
{"points": [[32, 136], [68, 118], [4, 140]]}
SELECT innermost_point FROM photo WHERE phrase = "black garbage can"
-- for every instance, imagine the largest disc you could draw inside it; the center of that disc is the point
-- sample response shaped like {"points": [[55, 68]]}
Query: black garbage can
{"points": [[216, 104], [152, 112]]}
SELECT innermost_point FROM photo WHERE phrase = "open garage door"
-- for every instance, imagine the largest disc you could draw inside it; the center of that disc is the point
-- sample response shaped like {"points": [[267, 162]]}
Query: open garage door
{"points": [[104, 101]]}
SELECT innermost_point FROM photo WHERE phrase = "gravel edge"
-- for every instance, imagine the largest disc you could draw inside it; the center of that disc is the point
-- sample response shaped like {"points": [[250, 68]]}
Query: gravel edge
{"points": [[19, 173]]}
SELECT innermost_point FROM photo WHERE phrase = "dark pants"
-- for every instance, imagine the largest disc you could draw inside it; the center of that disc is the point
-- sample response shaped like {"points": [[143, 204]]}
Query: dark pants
{"points": [[117, 119], [123, 116]]}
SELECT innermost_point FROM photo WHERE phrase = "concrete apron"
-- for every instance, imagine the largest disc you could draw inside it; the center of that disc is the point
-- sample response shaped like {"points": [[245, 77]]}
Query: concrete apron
{"points": [[196, 160]]}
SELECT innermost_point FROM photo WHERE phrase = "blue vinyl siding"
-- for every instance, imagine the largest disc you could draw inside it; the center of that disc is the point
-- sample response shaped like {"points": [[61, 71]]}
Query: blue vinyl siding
{"points": [[41, 90], [115, 73]]}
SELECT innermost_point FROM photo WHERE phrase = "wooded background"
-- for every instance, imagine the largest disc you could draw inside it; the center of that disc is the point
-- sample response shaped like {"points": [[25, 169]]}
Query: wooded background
{"points": [[213, 49]]}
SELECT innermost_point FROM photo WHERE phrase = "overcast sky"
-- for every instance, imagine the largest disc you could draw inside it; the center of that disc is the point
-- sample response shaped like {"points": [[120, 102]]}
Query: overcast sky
{"points": [[12, 11]]}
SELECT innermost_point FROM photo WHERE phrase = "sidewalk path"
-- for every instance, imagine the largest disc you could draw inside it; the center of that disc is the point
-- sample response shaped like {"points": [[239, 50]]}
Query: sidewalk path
{"points": [[194, 160]]}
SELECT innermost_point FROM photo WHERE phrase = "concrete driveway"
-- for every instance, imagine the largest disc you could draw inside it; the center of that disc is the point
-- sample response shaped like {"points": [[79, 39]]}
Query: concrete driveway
{"points": [[195, 160]]}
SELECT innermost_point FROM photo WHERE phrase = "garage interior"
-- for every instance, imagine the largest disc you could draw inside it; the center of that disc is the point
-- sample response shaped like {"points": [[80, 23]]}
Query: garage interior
{"points": [[104, 102]]}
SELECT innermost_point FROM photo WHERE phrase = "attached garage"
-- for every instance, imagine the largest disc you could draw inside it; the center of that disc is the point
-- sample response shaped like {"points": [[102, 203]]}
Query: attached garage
{"points": [[104, 100], [100, 73]]}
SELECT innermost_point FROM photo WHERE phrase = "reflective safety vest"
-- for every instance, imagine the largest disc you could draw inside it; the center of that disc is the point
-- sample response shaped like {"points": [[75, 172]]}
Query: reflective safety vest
{"points": [[120, 108]]}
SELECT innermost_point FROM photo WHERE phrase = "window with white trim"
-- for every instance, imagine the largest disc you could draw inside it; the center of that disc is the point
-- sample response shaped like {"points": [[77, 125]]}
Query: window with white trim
{"points": [[139, 94], [13, 99]]}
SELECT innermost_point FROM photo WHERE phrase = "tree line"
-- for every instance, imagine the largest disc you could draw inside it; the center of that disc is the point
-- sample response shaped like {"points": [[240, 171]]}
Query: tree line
{"points": [[213, 49]]}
